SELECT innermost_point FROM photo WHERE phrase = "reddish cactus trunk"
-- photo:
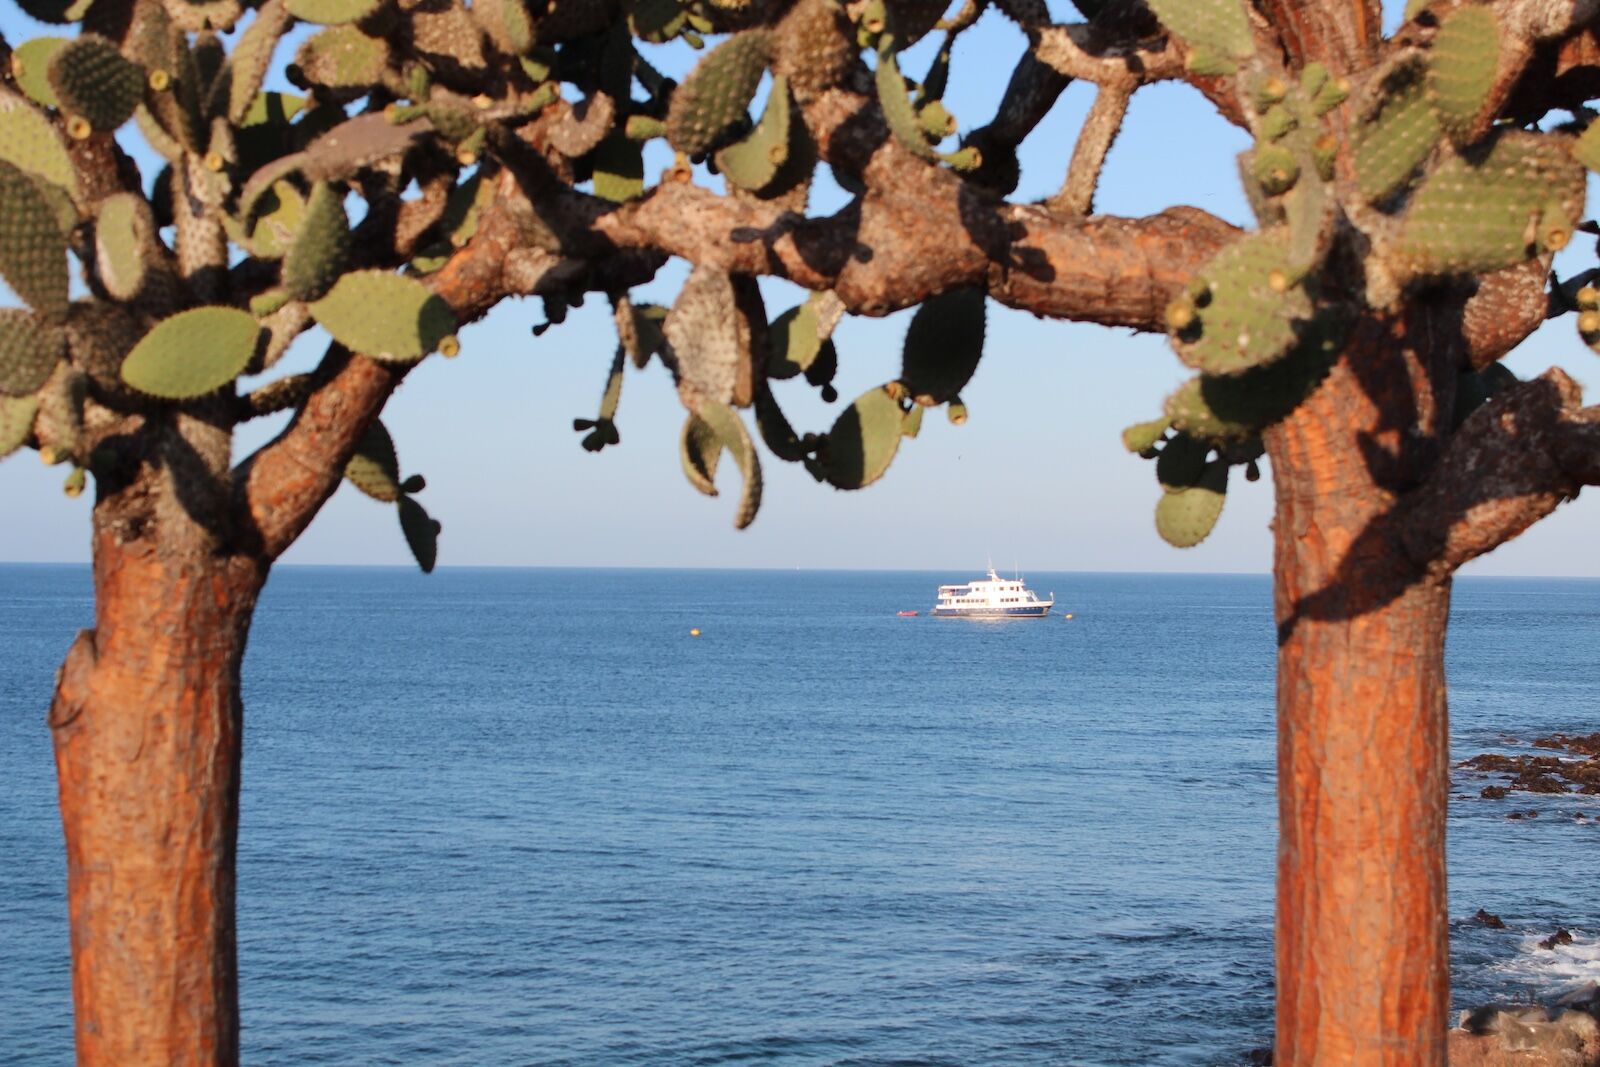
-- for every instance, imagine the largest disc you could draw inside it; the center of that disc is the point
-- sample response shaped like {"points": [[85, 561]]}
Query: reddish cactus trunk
{"points": [[1363, 963], [146, 721]]}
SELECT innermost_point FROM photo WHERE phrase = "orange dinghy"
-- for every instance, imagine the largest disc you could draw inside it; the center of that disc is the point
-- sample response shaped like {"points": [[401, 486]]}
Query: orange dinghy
{"points": [[905, 614]]}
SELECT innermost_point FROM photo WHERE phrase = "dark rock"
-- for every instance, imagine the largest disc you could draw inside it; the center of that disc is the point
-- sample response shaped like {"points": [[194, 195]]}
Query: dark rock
{"points": [[1492, 762], [1259, 1057], [1538, 782], [1513, 814], [1583, 745], [1492, 921], [1552, 774], [1562, 936]]}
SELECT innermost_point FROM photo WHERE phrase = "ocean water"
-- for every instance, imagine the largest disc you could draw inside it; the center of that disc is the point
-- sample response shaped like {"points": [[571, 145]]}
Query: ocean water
{"points": [[523, 817]]}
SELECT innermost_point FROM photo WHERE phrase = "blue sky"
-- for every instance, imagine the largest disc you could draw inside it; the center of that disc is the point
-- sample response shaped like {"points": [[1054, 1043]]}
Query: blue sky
{"points": [[1037, 475]]}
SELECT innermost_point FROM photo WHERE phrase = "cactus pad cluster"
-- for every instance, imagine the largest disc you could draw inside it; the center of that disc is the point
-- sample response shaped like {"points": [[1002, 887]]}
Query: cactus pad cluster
{"points": [[340, 200]]}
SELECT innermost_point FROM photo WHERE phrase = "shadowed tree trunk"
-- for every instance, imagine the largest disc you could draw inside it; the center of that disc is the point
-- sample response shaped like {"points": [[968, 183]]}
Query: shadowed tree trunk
{"points": [[146, 722], [1363, 741]]}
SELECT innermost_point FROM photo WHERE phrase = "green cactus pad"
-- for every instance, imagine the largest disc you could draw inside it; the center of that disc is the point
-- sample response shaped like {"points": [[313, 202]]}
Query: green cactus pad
{"points": [[1182, 461], [29, 142], [1397, 141], [462, 209], [1276, 123], [455, 122], [716, 94], [29, 351], [272, 109], [124, 236], [618, 167], [1493, 212], [92, 79], [1185, 517], [1461, 70], [863, 441], [332, 12], [16, 422], [279, 213], [160, 46], [506, 23], [1220, 408], [657, 21], [1212, 25], [375, 468], [192, 353], [602, 430], [1311, 214], [33, 253], [62, 209], [1253, 310], [1586, 149], [1275, 168], [317, 258], [384, 316], [797, 340], [30, 66], [237, 90], [1145, 435], [911, 423], [730, 431], [1209, 63], [898, 110], [56, 11], [421, 531], [775, 429], [343, 58], [753, 163], [943, 344], [699, 449]]}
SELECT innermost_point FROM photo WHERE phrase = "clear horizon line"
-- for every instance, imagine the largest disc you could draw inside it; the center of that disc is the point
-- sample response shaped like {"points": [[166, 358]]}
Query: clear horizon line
{"points": [[776, 570]]}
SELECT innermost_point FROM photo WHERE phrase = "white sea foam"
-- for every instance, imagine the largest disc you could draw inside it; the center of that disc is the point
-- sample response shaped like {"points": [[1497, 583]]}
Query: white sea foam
{"points": [[1553, 971]]}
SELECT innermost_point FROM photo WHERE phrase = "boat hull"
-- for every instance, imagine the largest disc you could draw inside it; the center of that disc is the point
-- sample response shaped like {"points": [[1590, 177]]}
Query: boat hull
{"points": [[1024, 611]]}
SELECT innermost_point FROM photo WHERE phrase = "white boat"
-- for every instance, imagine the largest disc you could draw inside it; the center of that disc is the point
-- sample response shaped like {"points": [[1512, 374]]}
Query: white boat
{"points": [[993, 597]]}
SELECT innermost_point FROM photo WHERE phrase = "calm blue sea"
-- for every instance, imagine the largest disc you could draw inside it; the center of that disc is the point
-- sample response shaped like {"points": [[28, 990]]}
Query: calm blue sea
{"points": [[523, 817]]}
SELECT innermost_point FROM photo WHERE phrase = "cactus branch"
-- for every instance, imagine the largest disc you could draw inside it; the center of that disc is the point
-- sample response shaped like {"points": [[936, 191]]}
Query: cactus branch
{"points": [[1339, 33], [286, 482], [894, 249], [1100, 129], [281, 395], [1034, 88], [1512, 463], [1076, 51]]}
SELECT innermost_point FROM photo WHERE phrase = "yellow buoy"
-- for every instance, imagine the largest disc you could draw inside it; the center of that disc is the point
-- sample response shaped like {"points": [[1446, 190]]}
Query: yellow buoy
{"points": [[694, 633], [1069, 614]]}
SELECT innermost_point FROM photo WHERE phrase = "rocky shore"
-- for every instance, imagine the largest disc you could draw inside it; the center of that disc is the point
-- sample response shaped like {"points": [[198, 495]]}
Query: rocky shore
{"points": [[1565, 1032], [1574, 768]]}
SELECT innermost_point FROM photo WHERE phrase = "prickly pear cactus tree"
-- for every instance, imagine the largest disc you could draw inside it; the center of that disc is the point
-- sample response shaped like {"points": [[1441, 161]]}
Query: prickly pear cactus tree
{"points": [[381, 172]]}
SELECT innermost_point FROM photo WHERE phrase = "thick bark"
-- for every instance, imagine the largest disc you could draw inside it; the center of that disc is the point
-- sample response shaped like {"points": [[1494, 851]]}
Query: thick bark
{"points": [[146, 722], [1362, 946]]}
